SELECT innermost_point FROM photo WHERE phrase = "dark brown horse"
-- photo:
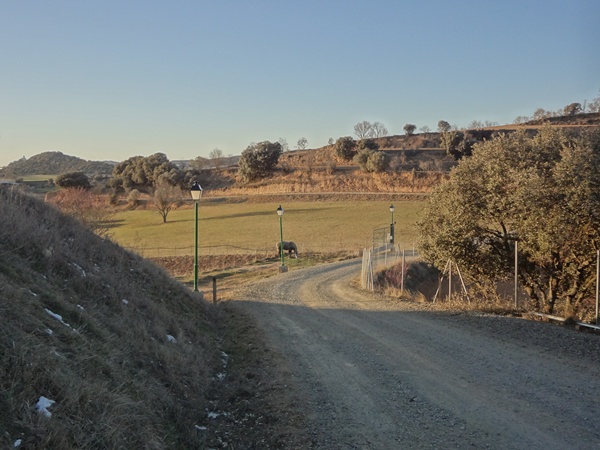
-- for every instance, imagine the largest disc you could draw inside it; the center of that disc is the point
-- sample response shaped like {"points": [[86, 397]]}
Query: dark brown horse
{"points": [[290, 247]]}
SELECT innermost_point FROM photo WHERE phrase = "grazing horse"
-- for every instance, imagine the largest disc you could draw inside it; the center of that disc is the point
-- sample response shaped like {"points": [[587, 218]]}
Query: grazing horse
{"points": [[290, 247]]}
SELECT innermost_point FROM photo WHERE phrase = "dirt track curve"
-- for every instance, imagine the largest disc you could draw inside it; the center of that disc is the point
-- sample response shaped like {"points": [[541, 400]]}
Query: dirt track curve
{"points": [[375, 373]]}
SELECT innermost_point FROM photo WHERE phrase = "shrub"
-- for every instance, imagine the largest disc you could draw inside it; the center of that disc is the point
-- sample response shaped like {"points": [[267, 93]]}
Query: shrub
{"points": [[258, 160], [345, 148], [73, 180]]}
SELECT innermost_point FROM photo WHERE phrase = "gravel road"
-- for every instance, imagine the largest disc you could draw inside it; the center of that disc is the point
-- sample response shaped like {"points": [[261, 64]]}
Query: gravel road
{"points": [[376, 373]]}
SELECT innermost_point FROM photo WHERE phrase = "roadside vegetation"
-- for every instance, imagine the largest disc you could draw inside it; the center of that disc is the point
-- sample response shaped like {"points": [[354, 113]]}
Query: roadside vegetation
{"points": [[100, 348], [538, 196]]}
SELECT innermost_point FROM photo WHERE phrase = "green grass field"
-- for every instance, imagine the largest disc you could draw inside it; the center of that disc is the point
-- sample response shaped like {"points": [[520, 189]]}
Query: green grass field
{"points": [[226, 228]]}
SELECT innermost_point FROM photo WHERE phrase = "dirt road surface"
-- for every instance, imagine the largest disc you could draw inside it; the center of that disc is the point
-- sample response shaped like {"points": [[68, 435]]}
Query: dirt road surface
{"points": [[375, 373]]}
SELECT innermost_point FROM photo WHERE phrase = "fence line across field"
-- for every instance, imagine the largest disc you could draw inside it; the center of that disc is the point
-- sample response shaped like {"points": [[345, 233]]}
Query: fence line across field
{"points": [[211, 250]]}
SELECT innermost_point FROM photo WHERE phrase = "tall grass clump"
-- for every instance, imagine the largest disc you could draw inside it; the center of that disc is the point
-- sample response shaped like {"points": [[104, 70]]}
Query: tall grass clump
{"points": [[125, 352]]}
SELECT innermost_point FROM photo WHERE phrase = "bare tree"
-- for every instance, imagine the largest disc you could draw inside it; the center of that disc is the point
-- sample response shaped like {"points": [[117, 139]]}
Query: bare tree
{"points": [[216, 155], [520, 119], [541, 113], [200, 163], [594, 105], [425, 129], [166, 197], [363, 129], [378, 130], [284, 145], [302, 143], [91, 210]]}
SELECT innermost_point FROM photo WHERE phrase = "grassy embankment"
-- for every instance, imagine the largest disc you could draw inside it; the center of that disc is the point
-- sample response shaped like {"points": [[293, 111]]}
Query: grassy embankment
{"points": [[101, 349]]}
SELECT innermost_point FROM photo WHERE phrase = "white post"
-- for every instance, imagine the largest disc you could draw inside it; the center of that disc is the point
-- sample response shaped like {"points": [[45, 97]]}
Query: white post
{"points": [[449, 280], [402, 283], [597, 281], [516, 272]]}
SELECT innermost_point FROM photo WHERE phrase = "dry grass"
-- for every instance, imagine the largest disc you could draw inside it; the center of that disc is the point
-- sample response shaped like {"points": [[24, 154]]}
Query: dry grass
{"points": [[422, 282], [117, 380]]}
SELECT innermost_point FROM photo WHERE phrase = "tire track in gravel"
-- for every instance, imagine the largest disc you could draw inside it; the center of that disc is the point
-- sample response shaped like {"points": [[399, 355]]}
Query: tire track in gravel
{"points": [[376, 373]]}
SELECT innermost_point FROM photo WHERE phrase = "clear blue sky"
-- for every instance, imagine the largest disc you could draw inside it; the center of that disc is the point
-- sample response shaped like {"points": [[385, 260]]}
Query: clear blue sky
{"points": [[107, 80]]}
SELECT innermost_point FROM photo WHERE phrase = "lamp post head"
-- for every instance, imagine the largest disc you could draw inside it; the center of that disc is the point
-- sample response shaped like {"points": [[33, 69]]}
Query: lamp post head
{"points": [[280, 211], [196, 191], [392, 209]]}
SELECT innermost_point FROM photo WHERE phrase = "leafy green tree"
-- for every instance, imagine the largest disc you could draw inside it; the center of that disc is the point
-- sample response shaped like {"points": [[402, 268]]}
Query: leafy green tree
{"points": [[542, 192], [368, 144], [258, 160], [73, 180], [371, 160], [362, 157], [457, 143], [345, 147], [409, 129], [572, 109], [377, 162], [443, 126], [143, 173]]}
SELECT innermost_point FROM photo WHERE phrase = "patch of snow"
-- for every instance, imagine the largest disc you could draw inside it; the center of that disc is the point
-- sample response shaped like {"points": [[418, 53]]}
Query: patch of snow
{"points": [[125, 301], [213, 415], [224, 358], [199, 428], [80, 269], [221, 376], [49, 331], [80, 307], [17, 443], [171, 339], [33, 293], [57, 317], [42, 406]]}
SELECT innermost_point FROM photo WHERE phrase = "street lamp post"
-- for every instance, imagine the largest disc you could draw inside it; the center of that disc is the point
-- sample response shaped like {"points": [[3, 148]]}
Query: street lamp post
{"points": [[196, 192], [280, 214], [392, 209]]}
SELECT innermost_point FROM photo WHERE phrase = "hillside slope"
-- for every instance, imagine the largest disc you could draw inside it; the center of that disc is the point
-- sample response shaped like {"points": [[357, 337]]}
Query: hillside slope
{"points": [[54, 163], [102, 349]]}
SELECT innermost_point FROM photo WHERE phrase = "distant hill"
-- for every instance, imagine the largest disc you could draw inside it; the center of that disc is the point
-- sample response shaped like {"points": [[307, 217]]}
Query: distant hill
{"points": [[54, 163]]}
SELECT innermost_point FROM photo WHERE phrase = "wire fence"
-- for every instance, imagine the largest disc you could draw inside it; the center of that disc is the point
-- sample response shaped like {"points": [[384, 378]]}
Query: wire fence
{"points": [[209, 250], [376, 259]]}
